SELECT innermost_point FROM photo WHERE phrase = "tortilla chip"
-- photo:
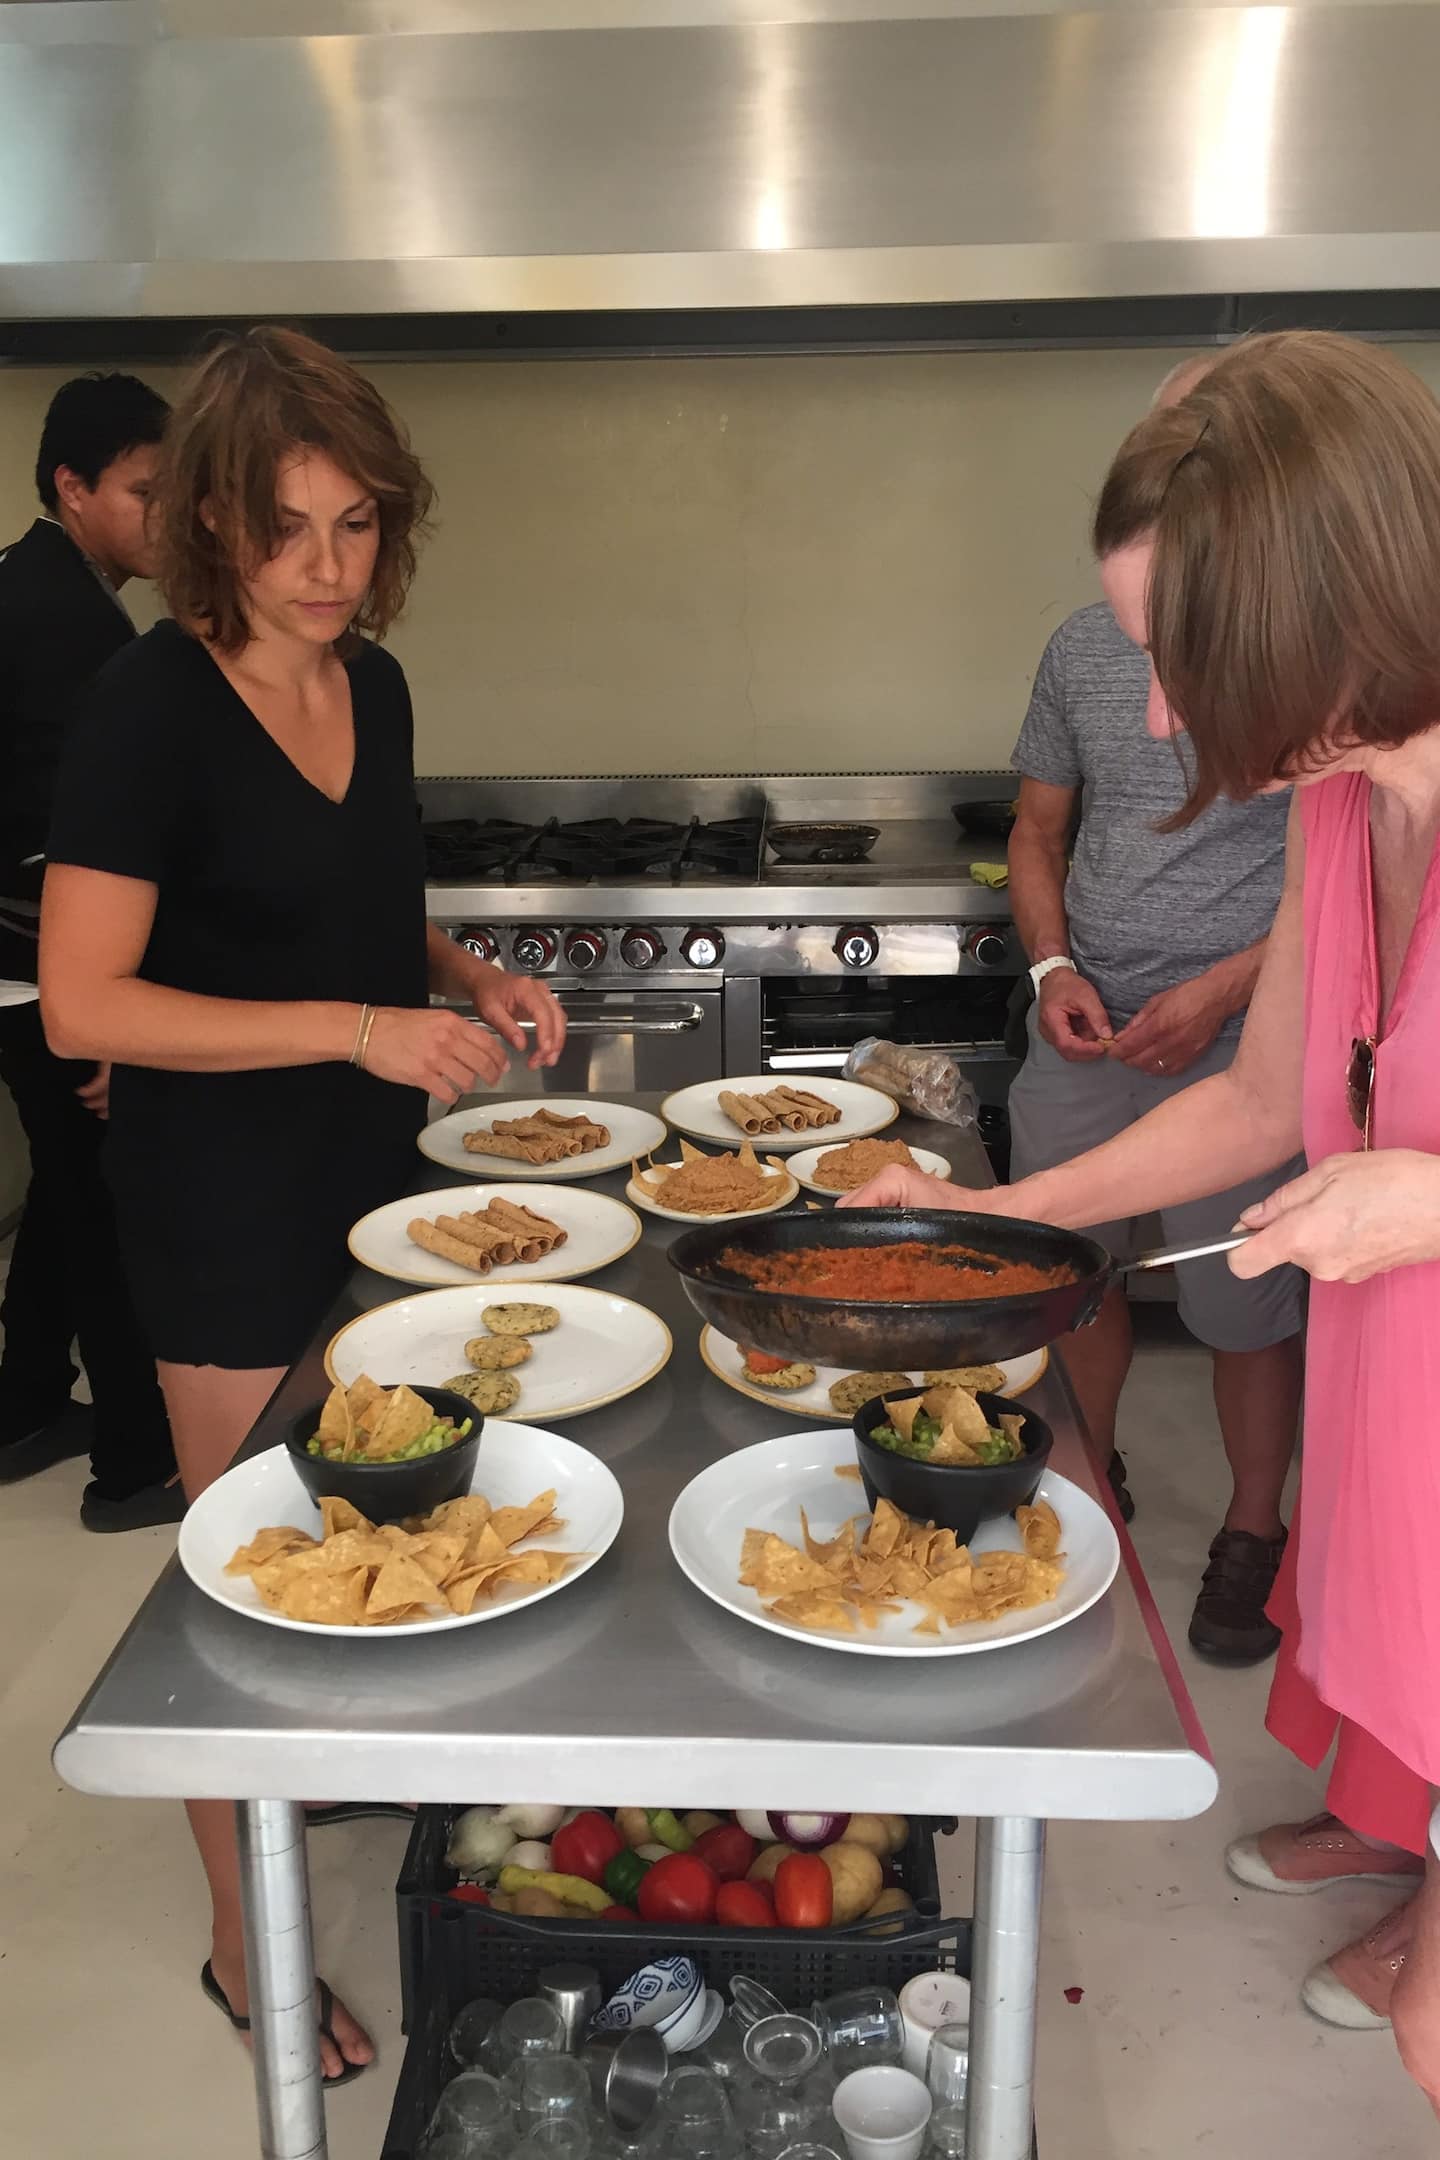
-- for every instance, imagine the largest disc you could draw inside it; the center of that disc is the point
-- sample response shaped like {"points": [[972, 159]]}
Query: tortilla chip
{"points": [[534, 1567], [354, 1548], [337, 1421], [400, 1582], [888, 1528], [963, 1425], [267, 1545], [326, 1598], [902, 1415], [930, 1625], [848, 1470], [1039, 1527], [814, 1609], [510, 1524], [337, 1515], [405, 1418], [466, 1514], [836, 1554], [440, 1553]]}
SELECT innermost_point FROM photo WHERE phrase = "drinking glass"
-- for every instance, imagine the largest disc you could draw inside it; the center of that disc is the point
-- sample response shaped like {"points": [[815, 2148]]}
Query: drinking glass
{"points": [[548, 2088], [529, 2027], [557, 2137], [861, 2027], [785, 2104], [472, 2121], [723, 2054], [948, 2076], [810, 2152], [471, 2029], [750, 2002], [699, 2123]]}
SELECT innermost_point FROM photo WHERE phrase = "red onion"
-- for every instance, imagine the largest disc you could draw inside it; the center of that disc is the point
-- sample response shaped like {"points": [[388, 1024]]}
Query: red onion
{"points": [[807, 1832]]}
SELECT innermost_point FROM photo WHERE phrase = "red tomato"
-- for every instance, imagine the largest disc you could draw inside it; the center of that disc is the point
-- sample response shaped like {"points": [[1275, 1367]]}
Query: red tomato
{"points": [[744, 1904], [470, 1893], [804, 1892], [728, 1849], [760, 1361], [586, 1846], [680, 1887], [619, 1912]]}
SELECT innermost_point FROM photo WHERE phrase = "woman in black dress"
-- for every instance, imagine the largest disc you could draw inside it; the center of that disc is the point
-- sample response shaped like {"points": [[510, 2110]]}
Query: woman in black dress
{"points": [[234, 915]]}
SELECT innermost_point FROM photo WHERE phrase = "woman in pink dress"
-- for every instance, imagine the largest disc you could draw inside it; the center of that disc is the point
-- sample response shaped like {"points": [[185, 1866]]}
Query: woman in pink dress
{"points": [[1274, 541]]}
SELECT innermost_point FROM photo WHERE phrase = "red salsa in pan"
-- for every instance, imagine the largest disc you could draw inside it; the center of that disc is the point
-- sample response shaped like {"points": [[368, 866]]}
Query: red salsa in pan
{"points": [[907, 1271]]}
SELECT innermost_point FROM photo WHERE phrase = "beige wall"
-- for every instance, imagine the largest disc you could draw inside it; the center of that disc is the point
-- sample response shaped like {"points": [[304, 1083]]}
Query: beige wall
{"points": [[736, 565]]}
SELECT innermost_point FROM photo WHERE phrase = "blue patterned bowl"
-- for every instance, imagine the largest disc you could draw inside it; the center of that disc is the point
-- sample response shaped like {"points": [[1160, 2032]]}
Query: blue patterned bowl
{"points": [[657, 1992]]}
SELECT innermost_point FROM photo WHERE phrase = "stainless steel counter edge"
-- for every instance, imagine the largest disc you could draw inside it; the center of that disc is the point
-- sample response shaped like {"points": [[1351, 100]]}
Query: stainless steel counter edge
{"points": [[816, 900]]}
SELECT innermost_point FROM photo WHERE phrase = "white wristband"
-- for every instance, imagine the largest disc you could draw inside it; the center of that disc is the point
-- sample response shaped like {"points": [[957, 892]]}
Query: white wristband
{"points": [[1042, 968]]}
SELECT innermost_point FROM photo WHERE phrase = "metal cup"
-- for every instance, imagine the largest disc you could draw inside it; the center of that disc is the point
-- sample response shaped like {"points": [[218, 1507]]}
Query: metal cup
{"points": [[575, 1991]]}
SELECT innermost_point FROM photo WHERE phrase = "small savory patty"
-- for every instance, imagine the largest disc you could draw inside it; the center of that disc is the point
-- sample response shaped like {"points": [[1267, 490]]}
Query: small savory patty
{"points": [[784, 1378], [520, 1319], [856, 1388], [492, 1392], [975, 1379], [497, 1353]]}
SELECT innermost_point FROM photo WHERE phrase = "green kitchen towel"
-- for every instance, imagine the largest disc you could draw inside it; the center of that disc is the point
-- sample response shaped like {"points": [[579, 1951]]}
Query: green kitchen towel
{"points": [[994, 874]]}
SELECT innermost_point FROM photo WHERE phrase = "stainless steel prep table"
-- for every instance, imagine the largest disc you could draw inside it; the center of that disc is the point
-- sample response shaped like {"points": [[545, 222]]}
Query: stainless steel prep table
{"points": [[633, 1685]]}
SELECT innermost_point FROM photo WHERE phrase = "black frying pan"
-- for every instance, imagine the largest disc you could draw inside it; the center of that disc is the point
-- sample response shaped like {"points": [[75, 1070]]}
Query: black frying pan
{"points": [[888, 1334]]}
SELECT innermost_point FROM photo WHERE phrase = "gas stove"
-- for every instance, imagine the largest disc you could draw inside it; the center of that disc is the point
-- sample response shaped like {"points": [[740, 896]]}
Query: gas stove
{"points": [[585, 849]]}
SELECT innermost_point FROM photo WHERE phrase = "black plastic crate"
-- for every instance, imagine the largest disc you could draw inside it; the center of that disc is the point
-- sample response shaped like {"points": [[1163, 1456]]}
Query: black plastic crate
{"points": [[472, 1951], [456, 1959]]}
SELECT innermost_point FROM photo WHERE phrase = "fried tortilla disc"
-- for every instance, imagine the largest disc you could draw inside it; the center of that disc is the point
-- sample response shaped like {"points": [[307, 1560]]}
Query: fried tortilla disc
{"points": [[847, 1395], [978, 1379], [1039, 1526]]}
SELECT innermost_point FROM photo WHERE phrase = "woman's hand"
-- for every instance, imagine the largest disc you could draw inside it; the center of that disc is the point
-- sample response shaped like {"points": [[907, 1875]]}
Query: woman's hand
{"points": [[434, 1050], [900, 1187], [95, 1092], [503, 1000], [1351, 1217]]}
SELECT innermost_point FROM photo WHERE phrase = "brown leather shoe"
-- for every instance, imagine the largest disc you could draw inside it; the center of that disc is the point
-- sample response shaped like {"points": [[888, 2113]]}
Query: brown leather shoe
{"points": [[1229, 1623]]}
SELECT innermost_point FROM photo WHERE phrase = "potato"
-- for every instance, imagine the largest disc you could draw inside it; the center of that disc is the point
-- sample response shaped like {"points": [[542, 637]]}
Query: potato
{"points": [[858, 1878], [899, 1828], [763, 1866], [699, 1820], [872, 1831], [633, 1825], [540, 1905], [894, 1901]]}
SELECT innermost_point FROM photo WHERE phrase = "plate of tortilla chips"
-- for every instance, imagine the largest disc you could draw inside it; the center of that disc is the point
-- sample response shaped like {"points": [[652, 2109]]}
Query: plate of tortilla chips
{"points": [[711, 1188], [540, 1512], [779, 1111], [806, 1389], [463, 1233], [551, 1136], [780, 1535]]}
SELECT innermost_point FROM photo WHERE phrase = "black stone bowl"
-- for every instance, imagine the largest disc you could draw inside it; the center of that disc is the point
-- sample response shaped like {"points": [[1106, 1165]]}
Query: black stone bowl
{"points": [[953, 1496], [389, 1491]]}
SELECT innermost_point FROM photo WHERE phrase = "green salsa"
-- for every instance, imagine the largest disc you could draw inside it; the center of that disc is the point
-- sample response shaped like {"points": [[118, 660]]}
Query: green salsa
{"points": [[996, 1447], [442, 1434]]}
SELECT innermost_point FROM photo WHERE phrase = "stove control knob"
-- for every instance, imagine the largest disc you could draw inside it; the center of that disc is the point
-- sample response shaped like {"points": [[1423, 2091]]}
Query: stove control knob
{"points": [[533, 950], [703, 948], [642, 948], [857, 945], [585, 949], [478, 942], [987, 948]]}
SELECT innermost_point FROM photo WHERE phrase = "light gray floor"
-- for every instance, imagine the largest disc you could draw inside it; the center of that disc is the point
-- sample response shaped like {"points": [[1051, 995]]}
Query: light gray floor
{"points": [[1188, 2037]]}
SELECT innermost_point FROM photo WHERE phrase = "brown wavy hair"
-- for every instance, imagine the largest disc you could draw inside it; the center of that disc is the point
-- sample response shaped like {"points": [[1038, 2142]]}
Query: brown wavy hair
{"points": [[1293, 497], [256, 399]]}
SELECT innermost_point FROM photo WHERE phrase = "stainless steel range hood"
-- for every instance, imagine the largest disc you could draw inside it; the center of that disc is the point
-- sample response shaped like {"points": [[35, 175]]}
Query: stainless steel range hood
{"points": [[195, 158]]}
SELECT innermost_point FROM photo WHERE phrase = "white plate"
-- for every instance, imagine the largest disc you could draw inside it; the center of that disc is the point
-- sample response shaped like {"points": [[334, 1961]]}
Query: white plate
{"points": [[16, 993], [803, 1166], [765, 1487], [604, 1347], [785, 1190], [599, 1231], [632, 1133], [724, 1360], [515, 1463], [696, 1110]]}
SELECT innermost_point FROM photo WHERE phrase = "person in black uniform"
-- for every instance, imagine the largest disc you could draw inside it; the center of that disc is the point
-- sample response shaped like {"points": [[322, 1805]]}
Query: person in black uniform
{"points": [[61, 619], [234, 914]]}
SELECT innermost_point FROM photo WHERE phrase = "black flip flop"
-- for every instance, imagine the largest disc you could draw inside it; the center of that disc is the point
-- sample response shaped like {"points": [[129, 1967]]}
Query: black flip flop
{"points": [[221, 2001], [358, 1811]]}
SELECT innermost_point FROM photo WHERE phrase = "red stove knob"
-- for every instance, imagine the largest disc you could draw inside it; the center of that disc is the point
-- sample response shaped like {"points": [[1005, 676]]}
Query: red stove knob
{"points": [[703, 948], [987, 947], [857, 945], [534, 950], [585, 949], [478, 942], [642, 948]]}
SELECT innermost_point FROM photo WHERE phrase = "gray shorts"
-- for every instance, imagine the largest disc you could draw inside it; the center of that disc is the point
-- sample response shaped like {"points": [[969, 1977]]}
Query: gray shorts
{"points": [[1059, 1110]]}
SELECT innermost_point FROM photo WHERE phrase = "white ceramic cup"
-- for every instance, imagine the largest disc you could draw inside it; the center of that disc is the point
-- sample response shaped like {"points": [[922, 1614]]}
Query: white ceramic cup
{"points": [[882, 2112], [927, 2002]]}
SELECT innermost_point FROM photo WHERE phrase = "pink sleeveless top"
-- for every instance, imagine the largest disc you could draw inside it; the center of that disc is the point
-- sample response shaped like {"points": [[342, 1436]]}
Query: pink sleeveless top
{"points": [[1369, 1557]]}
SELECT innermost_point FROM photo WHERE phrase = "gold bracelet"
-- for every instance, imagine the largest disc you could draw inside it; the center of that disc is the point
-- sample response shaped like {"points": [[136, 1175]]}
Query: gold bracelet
{"points": [[362, 1036]]}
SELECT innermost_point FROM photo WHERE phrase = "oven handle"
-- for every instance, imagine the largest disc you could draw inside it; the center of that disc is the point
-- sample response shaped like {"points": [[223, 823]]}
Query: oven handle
{"points": [[681, 1020]]}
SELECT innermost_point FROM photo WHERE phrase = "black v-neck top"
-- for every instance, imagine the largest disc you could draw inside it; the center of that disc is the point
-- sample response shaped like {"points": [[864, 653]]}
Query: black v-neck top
{"points": [[267, 889]]}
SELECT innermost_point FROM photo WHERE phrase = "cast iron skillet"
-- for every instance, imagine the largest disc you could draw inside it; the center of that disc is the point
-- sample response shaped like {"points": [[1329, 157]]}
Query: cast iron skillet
{"points": [[889, 1335]]}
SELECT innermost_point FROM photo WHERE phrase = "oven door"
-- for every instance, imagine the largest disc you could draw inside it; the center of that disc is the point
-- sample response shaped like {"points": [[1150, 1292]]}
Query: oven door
{"points": [[619, 1041]]}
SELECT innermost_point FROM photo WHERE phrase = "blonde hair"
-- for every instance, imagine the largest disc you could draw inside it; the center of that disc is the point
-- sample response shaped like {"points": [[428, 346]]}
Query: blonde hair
{"points": [[1293, 499]]}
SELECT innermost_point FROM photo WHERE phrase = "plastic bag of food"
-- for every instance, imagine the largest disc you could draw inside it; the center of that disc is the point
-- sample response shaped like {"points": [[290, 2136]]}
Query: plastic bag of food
{"points": [[929, 1082]]}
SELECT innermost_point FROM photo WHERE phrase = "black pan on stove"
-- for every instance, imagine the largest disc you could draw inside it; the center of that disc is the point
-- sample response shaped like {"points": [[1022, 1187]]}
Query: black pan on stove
{"points": [[830, 843]]}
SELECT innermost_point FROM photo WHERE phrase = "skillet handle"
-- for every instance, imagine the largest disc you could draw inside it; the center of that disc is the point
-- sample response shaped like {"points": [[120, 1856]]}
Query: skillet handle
{"points": [[1169, 1255]]}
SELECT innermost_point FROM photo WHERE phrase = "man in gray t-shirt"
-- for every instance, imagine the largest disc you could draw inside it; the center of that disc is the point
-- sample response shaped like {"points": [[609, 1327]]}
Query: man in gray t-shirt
{"points": [[1146, 946]]}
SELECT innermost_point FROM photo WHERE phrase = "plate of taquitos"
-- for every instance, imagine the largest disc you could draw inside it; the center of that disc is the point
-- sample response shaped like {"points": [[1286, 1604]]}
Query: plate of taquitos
{"points": [[779, 1111], [470, 1233], [543, 1137]]}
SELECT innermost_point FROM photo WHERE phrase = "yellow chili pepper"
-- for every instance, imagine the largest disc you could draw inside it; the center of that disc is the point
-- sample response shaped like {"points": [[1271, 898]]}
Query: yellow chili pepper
{"points": [[570, 1889]]}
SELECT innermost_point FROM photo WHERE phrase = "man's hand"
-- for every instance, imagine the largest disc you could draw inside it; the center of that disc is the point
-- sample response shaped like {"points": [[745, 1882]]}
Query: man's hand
{"points": [[502, 1000], [1070, 1016], [95, 1094], [1351, 1217], [1173, 1028]]}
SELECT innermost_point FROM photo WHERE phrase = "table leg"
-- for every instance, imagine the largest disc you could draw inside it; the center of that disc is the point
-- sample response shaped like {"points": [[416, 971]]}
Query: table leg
{"points": [[280, 1968], [1009, 1871]]}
